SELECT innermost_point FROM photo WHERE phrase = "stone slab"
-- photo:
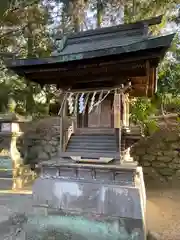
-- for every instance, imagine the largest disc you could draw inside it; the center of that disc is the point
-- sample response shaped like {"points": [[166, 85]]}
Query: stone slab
{"points": [[92, 197]]}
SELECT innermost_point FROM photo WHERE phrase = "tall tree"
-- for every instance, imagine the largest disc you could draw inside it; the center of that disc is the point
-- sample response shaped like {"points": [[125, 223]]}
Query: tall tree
{"points": [[28, 38]]}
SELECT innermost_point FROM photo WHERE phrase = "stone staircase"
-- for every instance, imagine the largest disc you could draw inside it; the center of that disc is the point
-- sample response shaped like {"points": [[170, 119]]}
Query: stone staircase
{"points": [[92, 143], [98, 144]]}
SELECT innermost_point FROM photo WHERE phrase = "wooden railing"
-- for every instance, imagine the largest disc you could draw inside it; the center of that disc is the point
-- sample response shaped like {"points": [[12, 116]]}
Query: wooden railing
{"points": [[67, 132], [62, 116]]}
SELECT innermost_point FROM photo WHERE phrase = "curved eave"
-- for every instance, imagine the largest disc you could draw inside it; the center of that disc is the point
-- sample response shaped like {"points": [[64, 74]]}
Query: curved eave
{"points": [[69, 70], [154, 42]]}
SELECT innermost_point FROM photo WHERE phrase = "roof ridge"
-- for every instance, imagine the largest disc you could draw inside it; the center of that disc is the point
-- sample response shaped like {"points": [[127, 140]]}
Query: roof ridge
{"points": [[117, 28]]}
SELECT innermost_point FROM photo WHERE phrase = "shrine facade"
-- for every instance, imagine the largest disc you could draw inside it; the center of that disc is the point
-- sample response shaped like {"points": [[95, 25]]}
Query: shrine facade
{"points": [[93, 175], [98, 72]]}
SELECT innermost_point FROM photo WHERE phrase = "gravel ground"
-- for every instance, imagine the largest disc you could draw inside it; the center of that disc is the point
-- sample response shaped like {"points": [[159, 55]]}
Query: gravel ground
{"points": [[14, 203], [163, 212]]}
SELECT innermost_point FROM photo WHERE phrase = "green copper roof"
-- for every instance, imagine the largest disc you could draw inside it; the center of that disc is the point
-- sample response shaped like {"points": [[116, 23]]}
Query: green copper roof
{"points": [[122, 42], [98, 42], [114, 48]]}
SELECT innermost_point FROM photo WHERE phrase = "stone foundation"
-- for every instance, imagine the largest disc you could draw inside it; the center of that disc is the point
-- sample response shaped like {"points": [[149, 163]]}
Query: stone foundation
{"points": [[159, 154]]}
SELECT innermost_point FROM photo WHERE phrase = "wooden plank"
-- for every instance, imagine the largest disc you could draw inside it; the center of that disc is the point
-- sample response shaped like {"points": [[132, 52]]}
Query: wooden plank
{"points": [[89, 160], [89, 155], [60, 162], [93, 73]]}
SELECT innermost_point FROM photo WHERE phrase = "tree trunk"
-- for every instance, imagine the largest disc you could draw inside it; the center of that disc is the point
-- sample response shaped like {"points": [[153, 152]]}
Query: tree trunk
{"points": [[30, 54], [76, 15], [99, 13]]}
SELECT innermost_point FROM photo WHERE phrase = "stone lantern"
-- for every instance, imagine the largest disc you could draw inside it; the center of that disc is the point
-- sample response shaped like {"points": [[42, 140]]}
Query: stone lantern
{"points": [[11, 128]]}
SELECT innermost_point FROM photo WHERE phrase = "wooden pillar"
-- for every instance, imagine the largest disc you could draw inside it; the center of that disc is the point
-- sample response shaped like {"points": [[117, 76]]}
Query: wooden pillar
{"points": [[76, 110], [61, 134], [152, 82], [126, 153], [123, 140], [124, 109], [128, 123], [127, 110], [112, 111], [117, 110], [62, 114], [117, 118], [99, 114], [85, 117]]}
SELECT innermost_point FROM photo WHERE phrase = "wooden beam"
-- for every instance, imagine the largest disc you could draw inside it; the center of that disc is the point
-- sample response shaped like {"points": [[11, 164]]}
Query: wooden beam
{"points": [[132, 69], [105, 89], [87, 78], [152, 55], [139, 80], [94, 85], [124, 64]]}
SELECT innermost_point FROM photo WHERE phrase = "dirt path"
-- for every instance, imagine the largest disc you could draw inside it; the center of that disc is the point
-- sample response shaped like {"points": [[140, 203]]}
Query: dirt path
{"points": [[163, 213]]}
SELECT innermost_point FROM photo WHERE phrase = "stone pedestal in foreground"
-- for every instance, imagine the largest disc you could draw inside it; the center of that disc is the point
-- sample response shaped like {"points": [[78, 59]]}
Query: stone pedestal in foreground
{"points": [[112, 196]]}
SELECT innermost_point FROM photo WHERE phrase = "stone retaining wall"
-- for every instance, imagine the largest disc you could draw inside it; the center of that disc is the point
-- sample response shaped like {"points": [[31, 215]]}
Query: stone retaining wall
{"points": [[40, 140], [159, 155]]}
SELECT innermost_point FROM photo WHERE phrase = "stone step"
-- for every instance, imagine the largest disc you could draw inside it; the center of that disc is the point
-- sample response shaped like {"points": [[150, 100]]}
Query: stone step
{"points": [[92, 148], [93, 139], [90, 154], [102, 131], [92, 145]]}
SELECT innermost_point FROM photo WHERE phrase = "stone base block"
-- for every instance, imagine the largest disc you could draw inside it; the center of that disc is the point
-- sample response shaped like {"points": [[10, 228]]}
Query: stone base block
{"points": [[113, 196]]}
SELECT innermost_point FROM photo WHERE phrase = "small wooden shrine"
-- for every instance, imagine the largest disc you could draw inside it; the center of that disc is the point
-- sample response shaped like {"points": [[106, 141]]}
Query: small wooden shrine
{"points": [[98, 71]]}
